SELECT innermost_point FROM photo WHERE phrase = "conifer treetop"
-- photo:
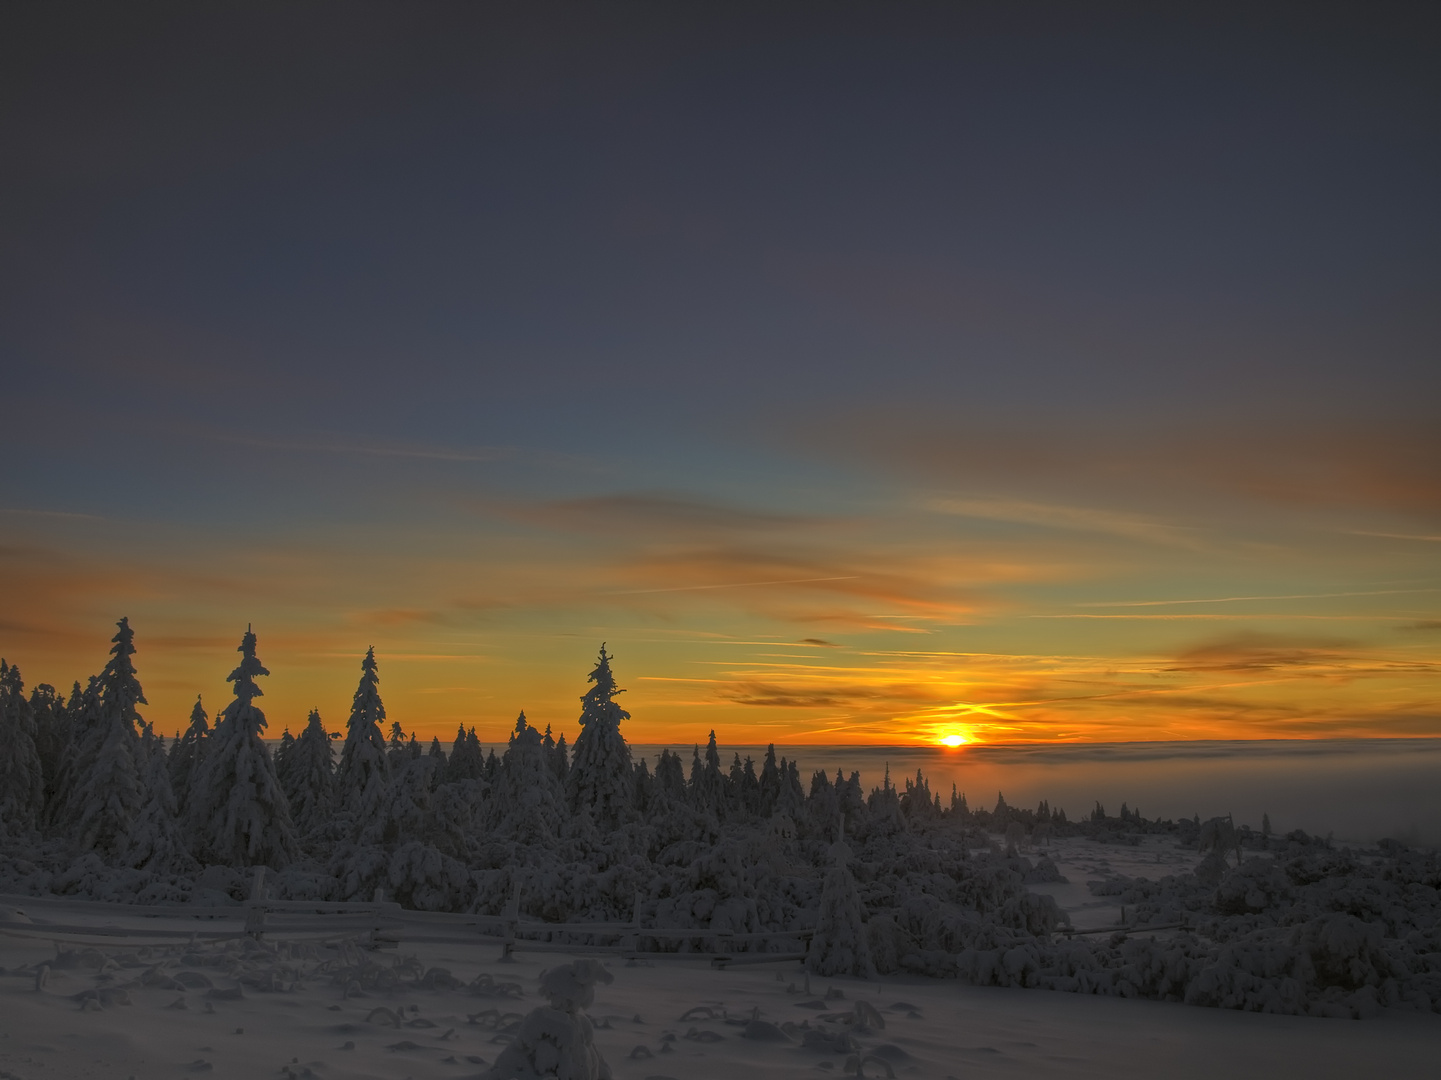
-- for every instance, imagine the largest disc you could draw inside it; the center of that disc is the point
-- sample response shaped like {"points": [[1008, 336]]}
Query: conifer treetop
{"points": [[366, 706], [119, 686], [199, 721], [597, 700], [250, 666]]}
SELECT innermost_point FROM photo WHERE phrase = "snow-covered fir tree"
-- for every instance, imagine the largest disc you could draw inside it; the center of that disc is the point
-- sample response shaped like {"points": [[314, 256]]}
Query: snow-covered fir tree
{"points": [[467, 760], [83, 709], [54, 739], [560, 758], [839, 945], [239, 812], [670, 777], [362, 781], [528, 802], [281, 757], [108, 792], [600, 784], [22, 777], [708, 784], [770, 783], [397, 747], [188, 753], [157, 841], [309, 781]]}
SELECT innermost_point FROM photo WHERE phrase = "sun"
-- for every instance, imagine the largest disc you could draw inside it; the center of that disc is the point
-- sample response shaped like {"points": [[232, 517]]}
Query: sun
{"points": [[953, 740]]}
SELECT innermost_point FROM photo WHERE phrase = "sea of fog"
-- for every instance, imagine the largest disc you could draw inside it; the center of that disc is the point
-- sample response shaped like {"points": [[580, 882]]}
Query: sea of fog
{"points": [[1357, 789]]}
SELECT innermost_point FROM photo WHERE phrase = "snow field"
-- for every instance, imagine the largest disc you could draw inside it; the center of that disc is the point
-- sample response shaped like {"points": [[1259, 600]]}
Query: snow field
{"points": [[442, 1011]]}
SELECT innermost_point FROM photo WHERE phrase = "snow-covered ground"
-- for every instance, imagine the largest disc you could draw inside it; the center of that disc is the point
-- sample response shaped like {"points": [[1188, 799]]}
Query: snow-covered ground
{"points": [[115, 1007], [1080, 859]]}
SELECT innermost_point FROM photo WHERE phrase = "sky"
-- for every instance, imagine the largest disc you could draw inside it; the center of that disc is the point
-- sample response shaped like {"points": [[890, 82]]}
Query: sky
{"points": [[856, 373]]}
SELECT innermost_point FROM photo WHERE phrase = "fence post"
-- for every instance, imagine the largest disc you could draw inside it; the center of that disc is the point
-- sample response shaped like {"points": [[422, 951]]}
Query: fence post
{"points": [[630, 943], [512, 918], [255, 909]]}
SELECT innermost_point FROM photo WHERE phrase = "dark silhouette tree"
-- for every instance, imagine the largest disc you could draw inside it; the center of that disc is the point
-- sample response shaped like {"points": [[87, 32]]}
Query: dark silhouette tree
{"points": [[599, 783], [108, 791], [362, 782], [237, 806]]}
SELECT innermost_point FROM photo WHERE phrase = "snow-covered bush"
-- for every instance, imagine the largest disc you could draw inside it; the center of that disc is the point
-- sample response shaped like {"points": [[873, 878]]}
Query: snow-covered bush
{"points": [[557, 1040]]}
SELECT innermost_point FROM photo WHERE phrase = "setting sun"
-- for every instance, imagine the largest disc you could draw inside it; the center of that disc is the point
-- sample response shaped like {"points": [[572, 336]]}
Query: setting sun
{"points": [[953, 740]]}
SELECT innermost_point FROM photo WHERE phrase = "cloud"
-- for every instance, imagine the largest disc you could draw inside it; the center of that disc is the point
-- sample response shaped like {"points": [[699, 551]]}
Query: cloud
{"points": [[389, 450], [791, 697], [62, 514], [656, 515], [1326, 462], [1423, 625], [1251, 654], [1243, 599], [813, 585], [1262, 653], [1075, 518]]}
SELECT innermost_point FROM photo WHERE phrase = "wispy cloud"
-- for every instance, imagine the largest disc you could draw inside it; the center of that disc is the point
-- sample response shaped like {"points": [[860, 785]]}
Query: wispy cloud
{"points": [[1071, 518], [656, 515], [737, 585], [62, 514], [1395, 536], [1242, 599], [385, 450], [1189, 462]]}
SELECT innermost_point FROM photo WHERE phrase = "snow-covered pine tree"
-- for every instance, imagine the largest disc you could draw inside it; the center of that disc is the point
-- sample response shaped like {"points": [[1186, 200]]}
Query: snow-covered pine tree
{"points": [[839, 945], [439, 763], [670, 777], [823, 807], [22, 777], [734, 781], [108, 793], [409, 805], [749, 791], [237, 807], [695, 787], [770, 783], [397, 746], [462, 764], [309, 781], [54, 735], [713, 785], [560, 758], [157, 841], [362, 782], [793, 796], [599, 784], [528, 803], [83, 708], [187, 755], [642, 785], [281, 757], [958, 804]]}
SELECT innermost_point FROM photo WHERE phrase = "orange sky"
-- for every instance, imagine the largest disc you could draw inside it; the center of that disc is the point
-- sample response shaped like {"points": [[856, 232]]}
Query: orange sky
{"points": [[915, 616]]}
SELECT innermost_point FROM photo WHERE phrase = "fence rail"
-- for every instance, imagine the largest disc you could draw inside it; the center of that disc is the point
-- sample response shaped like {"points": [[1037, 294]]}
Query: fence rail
{"points": [[385, 923]]}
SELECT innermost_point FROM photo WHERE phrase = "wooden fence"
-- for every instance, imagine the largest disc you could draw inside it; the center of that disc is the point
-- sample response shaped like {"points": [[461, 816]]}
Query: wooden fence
{"points": [[384, 924]]}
